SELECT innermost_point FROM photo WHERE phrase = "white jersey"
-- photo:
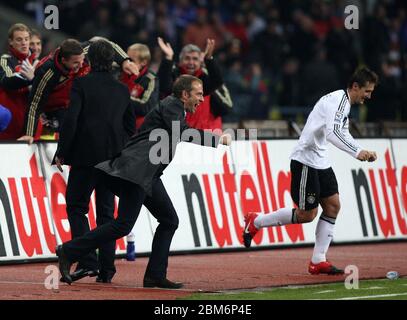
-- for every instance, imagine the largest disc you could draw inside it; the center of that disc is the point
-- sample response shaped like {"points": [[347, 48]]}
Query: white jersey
{"points": [[328, 122]]}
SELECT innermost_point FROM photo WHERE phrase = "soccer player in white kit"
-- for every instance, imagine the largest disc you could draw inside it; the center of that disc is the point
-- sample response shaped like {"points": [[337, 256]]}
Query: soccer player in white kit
{"points": [[313, 181]]}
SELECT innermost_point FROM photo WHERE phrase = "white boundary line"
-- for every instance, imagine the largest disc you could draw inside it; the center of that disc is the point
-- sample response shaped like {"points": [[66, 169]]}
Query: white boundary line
{"points": [[375, 296]]}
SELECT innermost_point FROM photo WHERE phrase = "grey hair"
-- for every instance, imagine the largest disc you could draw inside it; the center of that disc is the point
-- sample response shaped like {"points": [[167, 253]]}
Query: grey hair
{"points": [[188, 49]]}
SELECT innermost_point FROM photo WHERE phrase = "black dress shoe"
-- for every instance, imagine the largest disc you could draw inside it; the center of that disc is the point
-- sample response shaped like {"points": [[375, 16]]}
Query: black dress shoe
{"points": [[103, 279], [82, 273], [161, 283], [64, 264]]}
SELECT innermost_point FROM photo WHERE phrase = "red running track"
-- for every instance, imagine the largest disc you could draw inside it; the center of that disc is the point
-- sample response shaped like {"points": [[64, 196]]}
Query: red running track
{"points": [[208, 273]]}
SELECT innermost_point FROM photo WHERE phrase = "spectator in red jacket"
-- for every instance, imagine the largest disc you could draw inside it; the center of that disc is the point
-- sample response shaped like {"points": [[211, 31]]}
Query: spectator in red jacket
{"points": [[53, 80], [36, 43], [191, 61], [143, 87], [46, 130], [16, 74]]}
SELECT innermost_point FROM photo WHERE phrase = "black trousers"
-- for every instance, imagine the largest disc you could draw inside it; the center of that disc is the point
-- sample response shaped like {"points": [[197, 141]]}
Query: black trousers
{"points": [[132, 197], [81, 183]]}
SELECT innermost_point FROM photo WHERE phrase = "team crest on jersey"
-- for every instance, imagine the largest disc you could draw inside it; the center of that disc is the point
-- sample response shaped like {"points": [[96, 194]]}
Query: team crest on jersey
{"points": [[338, 116], [310, 199]]}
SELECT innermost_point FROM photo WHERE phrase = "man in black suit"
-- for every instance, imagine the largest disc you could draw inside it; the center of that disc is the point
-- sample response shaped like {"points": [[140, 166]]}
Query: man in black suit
{"points": [[134, 176], [98, 123]]}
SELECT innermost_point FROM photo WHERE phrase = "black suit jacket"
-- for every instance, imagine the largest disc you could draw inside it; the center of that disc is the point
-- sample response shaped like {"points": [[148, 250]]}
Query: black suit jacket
{"points": [[98, 122], [149, 152]]}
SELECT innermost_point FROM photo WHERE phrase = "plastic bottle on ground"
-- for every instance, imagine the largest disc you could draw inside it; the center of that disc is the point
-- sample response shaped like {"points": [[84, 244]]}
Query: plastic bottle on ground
{"points": [[131, 250]]}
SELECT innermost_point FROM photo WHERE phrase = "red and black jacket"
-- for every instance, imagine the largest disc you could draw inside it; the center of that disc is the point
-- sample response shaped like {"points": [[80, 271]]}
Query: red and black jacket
{"points": [[14, 90], [211, 77], [167, 73], [52, 85], [143, 90]]}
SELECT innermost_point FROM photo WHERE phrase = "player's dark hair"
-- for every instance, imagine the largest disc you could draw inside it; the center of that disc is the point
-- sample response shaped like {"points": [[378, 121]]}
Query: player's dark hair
{"points": [[70, 47], [184, 83], [362, 76], [101, 55], [35, 33]]}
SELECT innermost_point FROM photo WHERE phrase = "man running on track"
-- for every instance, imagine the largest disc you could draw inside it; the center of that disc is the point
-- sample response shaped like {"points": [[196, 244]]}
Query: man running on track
{"points": [[313, 180]]}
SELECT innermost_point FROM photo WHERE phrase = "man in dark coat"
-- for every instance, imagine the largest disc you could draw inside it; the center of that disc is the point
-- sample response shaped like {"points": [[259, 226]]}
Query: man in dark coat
{"points": [[134, 176], [97, 124]]}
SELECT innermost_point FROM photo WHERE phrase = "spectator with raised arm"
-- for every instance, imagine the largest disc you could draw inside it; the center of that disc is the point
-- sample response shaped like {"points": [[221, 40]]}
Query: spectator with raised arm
{"points": [[191, 61]]}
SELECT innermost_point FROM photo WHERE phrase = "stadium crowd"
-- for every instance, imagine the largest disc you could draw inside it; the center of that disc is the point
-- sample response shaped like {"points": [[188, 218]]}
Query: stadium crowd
{"points": [[208, 62], [273, 54]]}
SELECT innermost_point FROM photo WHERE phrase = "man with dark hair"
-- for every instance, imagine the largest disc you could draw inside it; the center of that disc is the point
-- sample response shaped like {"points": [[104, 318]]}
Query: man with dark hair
{"points": [[50, 92], [53, 80], [101, 56], [313, 181], [48, 121], [361, 77], [16, 75], [144, 96], [134, 176], [36, 43], [98, 122]]}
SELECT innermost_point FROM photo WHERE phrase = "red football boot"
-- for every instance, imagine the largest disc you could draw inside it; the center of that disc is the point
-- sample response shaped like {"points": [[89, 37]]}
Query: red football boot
{"points": [[249, 230], [324, 267]]}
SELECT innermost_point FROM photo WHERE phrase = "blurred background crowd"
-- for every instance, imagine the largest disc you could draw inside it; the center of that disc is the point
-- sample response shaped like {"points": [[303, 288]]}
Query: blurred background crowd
{"points": [[277, 56]]}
